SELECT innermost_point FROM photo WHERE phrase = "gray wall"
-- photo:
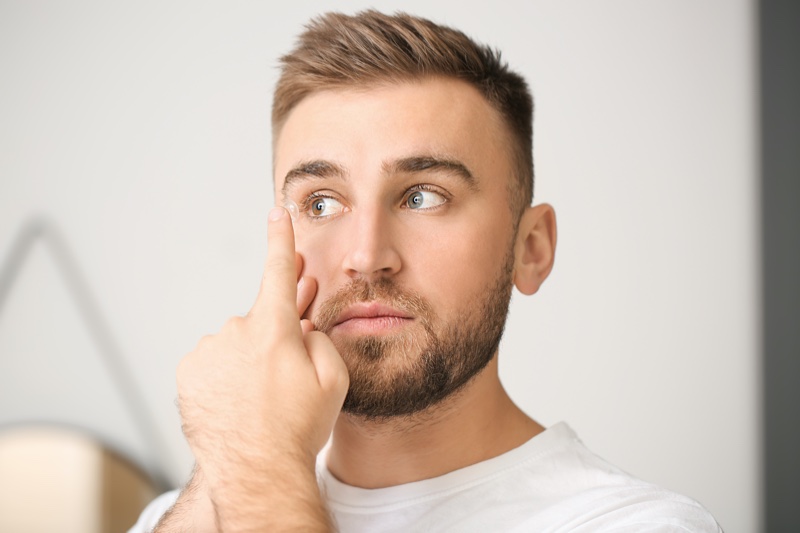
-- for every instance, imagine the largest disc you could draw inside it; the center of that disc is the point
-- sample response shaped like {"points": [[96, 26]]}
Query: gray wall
{"points": [[141, 130]]}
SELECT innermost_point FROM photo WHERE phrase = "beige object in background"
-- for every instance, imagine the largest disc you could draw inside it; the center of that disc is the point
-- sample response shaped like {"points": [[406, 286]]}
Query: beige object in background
{"points": [[58, 479]]}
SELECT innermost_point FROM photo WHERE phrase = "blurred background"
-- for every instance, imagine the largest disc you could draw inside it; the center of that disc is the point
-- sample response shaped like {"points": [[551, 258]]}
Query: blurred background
{"points": [[135, 179]]}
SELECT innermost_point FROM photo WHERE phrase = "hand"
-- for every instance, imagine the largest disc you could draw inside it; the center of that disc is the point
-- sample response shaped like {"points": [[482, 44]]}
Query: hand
{"points": [[259, 399]]}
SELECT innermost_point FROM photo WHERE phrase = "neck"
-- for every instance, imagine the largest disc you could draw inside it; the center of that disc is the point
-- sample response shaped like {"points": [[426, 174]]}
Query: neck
{"points": [[476, 424]]}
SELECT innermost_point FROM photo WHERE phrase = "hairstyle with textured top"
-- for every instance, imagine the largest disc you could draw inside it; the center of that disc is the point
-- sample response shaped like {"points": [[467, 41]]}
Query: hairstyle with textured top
{"points": [[338, 51]]}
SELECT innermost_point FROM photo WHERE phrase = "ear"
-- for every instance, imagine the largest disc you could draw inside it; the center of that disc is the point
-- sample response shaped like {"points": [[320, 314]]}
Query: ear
{"points": [[535, 247]]}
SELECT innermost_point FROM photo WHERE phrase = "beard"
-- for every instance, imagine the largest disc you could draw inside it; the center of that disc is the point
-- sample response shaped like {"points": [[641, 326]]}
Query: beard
{"points": [[412, 371]]}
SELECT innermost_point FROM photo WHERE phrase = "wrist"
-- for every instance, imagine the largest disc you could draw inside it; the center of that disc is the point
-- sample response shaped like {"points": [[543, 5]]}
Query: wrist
{"points": [[193, 510], [285, 497]]}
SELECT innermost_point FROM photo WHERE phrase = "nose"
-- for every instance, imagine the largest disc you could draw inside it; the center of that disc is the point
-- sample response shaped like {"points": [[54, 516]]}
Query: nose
{"points": [[372, 248]]}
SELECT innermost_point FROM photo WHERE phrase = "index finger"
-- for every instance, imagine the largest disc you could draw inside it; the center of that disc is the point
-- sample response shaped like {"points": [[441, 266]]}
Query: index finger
{"points": [[278, 293]]}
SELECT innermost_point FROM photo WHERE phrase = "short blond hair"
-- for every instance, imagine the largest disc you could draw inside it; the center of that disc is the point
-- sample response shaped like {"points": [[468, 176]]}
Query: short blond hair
{"points": [[337, 51]]}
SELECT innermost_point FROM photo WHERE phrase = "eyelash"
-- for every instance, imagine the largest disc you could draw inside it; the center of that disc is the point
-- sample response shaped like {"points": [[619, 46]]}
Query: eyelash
{"points": [[427, 188], [305, 205]]}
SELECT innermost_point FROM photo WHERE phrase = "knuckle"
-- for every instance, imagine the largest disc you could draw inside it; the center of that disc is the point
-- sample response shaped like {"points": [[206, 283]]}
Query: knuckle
{"points": [[235, 326], [204, 342], [277, 264]]}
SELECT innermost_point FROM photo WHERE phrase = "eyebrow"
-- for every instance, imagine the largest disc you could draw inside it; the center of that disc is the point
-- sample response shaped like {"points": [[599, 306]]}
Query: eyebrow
{"points": [[321, 169], [317, 169], [425, 163]]}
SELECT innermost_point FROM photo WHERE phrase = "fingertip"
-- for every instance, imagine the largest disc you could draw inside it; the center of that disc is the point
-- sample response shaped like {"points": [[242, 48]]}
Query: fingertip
{"points": [[279, 219], [279, 278], [332, 371], [308, 285], [277, 213], [307, 326]]}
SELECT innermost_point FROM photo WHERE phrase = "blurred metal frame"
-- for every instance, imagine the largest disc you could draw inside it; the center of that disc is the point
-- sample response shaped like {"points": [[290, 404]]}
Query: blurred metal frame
{"points": [[40, 228]]}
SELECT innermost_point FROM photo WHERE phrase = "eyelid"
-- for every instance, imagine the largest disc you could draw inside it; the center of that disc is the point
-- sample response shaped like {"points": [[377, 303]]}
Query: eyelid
{"points": [[427, 188], [305, 205]]}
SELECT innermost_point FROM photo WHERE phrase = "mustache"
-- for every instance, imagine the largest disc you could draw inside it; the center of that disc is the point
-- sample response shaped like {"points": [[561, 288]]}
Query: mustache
{"points": [[358, 290]]}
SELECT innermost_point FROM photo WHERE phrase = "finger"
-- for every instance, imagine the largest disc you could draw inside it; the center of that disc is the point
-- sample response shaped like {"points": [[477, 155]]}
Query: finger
{"points": [[306, 290], [331, 371], [278, 293], [298, 263], [307, 326]]}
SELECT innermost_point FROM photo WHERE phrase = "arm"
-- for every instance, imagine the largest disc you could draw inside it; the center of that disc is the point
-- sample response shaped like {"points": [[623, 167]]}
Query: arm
{"points": [[193, 511], [258, 401]]}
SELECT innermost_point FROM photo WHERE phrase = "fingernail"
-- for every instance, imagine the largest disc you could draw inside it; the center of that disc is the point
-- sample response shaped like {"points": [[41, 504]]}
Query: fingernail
{"points": [[276, 213]]}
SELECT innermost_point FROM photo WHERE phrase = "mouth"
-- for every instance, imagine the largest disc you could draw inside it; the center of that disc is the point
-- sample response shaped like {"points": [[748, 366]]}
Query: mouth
{"points": [[371, 318]]}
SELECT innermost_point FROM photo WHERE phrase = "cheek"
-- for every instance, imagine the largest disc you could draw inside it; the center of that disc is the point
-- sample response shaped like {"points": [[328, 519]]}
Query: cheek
{"points": [[456, 266]]}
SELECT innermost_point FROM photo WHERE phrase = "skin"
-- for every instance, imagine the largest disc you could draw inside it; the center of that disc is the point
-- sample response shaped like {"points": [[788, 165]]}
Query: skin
{"points": [[274, 387]]}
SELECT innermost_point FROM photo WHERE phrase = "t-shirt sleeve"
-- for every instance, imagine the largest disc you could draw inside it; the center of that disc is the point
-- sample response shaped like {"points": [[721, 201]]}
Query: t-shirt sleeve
{"points": [[154, 511]]}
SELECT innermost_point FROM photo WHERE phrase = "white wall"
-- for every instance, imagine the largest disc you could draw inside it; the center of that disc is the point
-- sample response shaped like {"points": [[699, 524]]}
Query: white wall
{"points": [[142, 130]]}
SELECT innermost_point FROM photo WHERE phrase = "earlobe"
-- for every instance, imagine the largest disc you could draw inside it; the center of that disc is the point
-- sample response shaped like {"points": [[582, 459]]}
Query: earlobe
{"points": [[534, 249]]}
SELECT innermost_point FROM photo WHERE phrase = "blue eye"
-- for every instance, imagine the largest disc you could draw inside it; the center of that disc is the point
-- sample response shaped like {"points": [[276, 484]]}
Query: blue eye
{"points": [[323, 206], [424, 200]]}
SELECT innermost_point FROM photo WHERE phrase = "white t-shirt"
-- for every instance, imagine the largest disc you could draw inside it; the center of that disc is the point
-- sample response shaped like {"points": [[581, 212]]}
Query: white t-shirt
{"points": [[551, 483]]}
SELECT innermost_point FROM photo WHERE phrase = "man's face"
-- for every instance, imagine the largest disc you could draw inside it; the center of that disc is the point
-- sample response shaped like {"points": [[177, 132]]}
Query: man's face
{"points": [[404, 222]]}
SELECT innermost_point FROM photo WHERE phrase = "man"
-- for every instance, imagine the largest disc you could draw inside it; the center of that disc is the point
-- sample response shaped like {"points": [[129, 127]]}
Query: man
{"points": [[403, 158]]}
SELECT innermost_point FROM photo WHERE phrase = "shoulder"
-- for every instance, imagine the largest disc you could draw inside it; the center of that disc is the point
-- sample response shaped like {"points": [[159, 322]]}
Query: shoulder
{"points": [[642, 507], [587, 493], [154, 511]]}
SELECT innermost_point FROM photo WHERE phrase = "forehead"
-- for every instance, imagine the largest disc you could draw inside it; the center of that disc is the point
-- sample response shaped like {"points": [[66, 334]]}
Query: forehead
{"points": [[363, 128]]}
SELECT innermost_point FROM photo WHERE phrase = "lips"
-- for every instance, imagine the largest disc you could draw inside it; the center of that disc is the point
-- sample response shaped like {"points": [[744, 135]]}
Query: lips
{"points": [[364, 307], [369, 319], [371, 310]]}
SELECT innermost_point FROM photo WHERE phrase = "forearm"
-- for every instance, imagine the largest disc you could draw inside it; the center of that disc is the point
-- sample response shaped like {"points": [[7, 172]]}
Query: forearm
{"points": [[283, 497]]}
